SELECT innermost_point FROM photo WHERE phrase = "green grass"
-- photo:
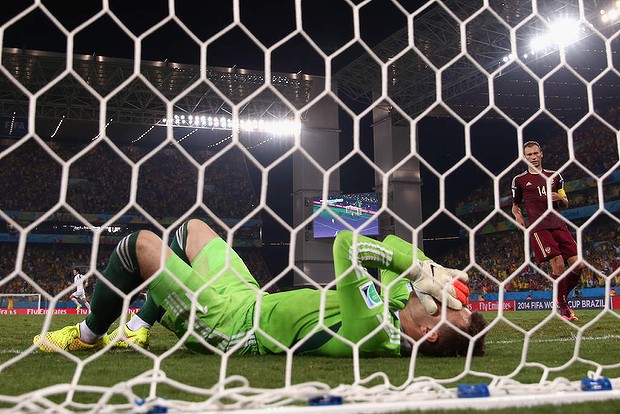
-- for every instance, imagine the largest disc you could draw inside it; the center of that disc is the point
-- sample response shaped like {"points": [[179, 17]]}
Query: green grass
{"points": [[551, 344]]}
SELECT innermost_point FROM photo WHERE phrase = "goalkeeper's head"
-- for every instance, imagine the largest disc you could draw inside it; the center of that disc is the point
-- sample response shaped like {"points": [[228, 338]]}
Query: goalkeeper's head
{"points": [[443, 336]]}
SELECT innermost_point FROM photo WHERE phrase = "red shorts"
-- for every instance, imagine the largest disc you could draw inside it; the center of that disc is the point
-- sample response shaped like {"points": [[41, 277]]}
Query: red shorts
{"points": [[548, 243]]}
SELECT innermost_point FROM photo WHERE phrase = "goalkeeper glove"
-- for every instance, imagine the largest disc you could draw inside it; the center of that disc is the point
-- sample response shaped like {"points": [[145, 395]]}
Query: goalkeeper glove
{"points": [[429, 281]]}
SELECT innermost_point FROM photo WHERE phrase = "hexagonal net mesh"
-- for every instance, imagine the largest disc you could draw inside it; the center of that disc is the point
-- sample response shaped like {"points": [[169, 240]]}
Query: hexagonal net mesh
{"points": [[303, 137]]}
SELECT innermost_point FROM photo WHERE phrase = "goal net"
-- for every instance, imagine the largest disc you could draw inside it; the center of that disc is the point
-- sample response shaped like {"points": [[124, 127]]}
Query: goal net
{"points": [[125, 117]]}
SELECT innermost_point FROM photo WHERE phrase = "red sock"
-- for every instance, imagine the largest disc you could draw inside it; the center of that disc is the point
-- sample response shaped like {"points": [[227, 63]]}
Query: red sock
{"points": [[562, 290], [573, 279]]}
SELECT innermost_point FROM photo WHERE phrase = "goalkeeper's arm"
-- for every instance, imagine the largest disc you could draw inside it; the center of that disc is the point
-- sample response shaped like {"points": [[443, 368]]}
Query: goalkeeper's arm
{"points": [[429, 278], [429, 281]]}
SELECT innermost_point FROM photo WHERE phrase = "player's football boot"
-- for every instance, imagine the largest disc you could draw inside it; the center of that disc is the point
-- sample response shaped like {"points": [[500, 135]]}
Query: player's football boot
{"points": [[139, 338], [68, 339], [568, 314], [78, 307]]}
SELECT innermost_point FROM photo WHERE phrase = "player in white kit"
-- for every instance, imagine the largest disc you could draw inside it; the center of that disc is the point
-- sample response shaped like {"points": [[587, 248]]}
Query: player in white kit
{"points": [[79, 296]]}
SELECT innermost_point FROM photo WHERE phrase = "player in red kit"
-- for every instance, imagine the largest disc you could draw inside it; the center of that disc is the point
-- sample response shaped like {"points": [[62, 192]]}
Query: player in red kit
{"points": [[551, 240]]}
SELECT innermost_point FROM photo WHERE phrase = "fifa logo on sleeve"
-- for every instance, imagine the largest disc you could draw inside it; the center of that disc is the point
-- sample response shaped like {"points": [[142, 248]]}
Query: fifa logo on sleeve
{"points": [[370, 295]]}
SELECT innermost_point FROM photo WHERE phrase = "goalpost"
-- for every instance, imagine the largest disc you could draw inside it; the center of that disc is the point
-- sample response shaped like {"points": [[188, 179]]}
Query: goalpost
{"points": [[464, 74], [10, 301]]}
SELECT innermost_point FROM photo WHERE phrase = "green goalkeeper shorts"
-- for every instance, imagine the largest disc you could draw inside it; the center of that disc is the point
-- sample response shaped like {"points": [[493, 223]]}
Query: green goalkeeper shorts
{"points": [[219, 290]]}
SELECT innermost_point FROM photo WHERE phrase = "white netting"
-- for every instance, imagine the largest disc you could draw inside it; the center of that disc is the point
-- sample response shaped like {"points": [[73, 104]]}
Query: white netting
{"points": [[206, 137]]}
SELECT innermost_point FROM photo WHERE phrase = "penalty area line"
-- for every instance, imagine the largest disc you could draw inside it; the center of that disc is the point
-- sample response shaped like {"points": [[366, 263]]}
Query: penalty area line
{"points": [[11, 351], [571, 339]]}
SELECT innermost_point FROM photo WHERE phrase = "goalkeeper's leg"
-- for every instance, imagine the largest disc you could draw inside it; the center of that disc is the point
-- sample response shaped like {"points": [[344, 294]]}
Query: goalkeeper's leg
{"points": [[150, 313], [189, 239], [125, 271], [137, 331], [136, 259]]}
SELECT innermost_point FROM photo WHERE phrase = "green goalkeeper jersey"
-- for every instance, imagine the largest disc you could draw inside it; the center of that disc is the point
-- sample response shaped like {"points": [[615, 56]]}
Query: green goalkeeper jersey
{"points": [[312, 321], [326, 322]]}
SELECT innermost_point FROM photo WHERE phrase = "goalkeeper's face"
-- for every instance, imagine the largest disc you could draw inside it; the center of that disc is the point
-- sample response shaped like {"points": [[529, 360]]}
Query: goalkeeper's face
{"points": [[416, 322]]}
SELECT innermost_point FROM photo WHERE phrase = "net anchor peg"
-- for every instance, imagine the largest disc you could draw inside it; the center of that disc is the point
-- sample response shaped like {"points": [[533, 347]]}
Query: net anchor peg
{"points": [[596, 384], [473, 391], [325, 400]]}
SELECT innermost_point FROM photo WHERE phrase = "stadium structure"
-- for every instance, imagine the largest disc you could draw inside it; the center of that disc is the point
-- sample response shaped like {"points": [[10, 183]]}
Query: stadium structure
{"points": [[217, 121], [201, 112]]}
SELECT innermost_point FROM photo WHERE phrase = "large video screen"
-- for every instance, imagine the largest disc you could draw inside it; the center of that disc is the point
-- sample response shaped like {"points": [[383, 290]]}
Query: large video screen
{"points": [[354, 209]]}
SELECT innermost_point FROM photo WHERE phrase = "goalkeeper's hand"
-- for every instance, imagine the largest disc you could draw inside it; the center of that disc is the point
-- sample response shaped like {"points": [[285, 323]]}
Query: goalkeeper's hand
{"points": [[429, 280]]}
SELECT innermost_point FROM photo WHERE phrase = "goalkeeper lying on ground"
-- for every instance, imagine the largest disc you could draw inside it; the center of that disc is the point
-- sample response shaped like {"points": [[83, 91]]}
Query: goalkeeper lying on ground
{"points": [[228, 298]]}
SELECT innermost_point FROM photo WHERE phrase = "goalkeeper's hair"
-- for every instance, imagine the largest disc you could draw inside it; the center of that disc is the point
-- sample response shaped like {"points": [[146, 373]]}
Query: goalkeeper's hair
{"points": [[451, 342]]}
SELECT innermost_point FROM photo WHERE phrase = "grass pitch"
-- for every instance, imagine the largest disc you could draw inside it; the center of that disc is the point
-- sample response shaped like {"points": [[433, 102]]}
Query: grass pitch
{"points": [[519, 346]]}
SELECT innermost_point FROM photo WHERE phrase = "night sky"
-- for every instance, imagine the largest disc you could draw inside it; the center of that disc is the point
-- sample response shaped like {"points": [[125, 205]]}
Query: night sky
{"points": [[328, 22]]}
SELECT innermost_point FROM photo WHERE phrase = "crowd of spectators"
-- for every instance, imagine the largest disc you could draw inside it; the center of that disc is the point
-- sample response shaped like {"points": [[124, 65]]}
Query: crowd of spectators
{"points": [[500, 257], [595, 153], [99, 181], [47, 267]]}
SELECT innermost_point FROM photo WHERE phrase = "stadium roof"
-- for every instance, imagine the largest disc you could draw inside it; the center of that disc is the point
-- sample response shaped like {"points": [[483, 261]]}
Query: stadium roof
{"points": [[438, 41], [139, 100], [411, 79]]}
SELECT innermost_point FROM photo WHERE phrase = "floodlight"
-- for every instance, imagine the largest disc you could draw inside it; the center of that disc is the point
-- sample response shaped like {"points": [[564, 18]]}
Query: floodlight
{"points": [[562, 32], [272, 126]]}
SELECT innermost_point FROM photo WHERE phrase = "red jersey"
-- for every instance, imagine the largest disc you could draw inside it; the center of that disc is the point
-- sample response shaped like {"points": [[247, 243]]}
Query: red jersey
{"points": [[532, 189]]}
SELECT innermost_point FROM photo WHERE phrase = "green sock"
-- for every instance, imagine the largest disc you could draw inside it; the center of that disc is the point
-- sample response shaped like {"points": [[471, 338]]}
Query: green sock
{"points": [[122, 272], [150, 312], [179, 241]]}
